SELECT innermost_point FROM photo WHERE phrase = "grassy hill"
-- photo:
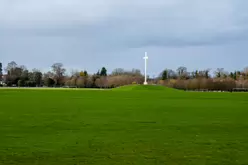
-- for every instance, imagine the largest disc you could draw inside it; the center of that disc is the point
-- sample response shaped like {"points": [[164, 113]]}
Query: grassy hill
{"points": [[145, 88], [127, 125]]}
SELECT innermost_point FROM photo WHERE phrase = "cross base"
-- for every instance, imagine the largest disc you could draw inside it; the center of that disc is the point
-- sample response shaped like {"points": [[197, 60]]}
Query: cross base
{"points": [[145, 83]]}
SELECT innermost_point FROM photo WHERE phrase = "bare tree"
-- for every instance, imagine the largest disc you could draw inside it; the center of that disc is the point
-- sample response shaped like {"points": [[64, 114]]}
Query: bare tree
{"points": [[171, 74], [59, 72], [118, 71], [37, 77], [1, 71], [246, 72], [136, 72], [11, 66], [220, 73], [182, 72], [74, 72], [80, 82], [202, 74], [89, 82], [101, 82]]}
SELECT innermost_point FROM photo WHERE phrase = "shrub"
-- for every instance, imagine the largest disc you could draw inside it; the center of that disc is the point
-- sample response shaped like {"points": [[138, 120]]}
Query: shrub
{"points": [[80, 82], [9, 83], [21, 83], [30, 84], [89, 82], [193, 84], [245, 84], [120, 80], [49, 82]]}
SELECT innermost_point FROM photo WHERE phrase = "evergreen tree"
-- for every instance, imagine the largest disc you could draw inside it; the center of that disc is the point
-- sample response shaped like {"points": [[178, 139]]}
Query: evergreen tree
{"points": [[165, 75], [196, 74], [103, 72], [235, 75], [232, 75], [207, 74], [85, 73]]}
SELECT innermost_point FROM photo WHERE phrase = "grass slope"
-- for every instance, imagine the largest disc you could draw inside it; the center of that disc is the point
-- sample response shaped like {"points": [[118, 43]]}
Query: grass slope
{"points": [[145, 88], [115, 127]]}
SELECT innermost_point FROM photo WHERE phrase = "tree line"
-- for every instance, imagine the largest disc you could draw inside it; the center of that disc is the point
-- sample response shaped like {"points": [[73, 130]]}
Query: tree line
{"points": [[202, 80], [19, 75]]}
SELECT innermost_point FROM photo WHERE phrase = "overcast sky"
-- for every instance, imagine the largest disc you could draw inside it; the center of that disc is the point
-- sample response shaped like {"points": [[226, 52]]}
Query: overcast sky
{"points": [[198, 34]]}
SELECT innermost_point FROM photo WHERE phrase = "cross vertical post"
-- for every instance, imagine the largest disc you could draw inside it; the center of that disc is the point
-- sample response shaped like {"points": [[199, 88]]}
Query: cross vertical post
{"points": [[145, 58]]}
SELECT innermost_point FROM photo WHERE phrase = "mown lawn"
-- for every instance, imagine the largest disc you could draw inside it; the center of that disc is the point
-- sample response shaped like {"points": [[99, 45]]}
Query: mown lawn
{"points": [[141, 127]]}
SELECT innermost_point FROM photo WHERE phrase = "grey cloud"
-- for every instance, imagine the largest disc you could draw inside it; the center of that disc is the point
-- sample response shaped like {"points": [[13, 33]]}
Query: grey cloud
{"points": [[130, 23], [43, 31]]}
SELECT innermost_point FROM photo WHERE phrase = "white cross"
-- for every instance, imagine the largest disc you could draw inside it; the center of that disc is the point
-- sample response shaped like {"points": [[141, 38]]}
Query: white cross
{"points": [[145, 58]]}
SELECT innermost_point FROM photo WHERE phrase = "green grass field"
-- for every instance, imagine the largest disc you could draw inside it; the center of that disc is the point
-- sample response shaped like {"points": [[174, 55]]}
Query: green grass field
{"points": [[130, 125]]}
